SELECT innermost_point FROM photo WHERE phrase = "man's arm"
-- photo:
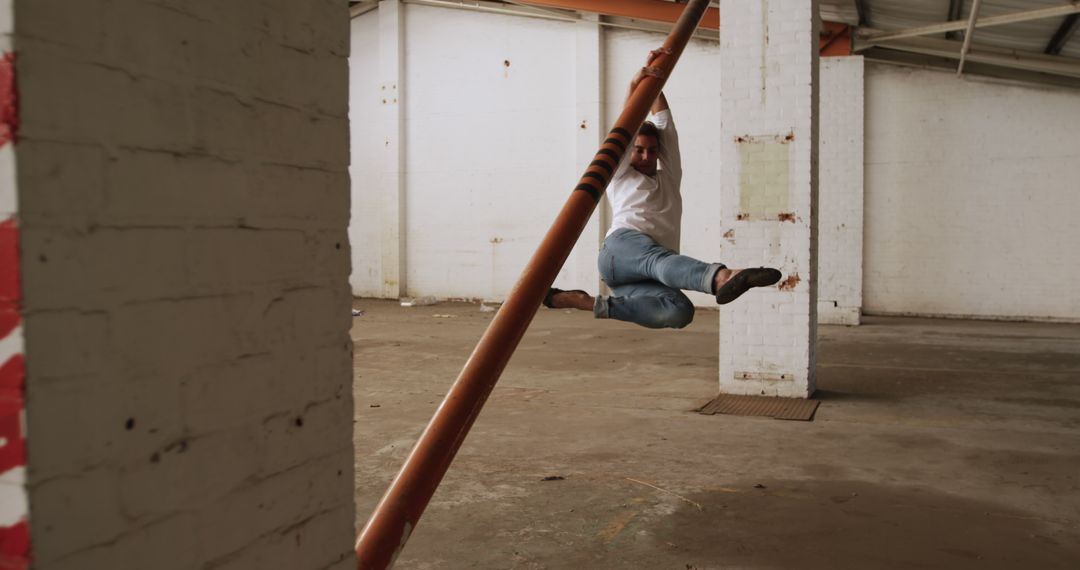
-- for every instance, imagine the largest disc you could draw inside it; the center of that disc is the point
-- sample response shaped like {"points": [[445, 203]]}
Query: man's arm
{"points": [[669, 138], [660, 104], [647, 71], [670, 157]]}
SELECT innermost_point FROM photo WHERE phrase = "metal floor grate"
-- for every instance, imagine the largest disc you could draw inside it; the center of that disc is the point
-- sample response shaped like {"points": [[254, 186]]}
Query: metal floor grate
{"points": [[778, 408]]}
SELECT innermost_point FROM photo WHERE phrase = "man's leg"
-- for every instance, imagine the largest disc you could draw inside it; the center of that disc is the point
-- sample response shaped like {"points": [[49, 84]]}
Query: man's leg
{"points": [[630, 256], [647, 303]]}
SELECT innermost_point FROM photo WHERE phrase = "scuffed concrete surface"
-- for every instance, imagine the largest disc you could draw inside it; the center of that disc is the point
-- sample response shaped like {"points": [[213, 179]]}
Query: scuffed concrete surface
{"points": [[938, 444]]}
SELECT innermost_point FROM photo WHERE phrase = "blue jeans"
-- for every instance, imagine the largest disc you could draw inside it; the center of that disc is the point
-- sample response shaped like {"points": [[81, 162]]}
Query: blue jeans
{"points": [[645, 279]]}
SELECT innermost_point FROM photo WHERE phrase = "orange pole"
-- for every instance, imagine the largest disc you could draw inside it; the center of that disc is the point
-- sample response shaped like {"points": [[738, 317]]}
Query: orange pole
{"points": [[400, 509]]}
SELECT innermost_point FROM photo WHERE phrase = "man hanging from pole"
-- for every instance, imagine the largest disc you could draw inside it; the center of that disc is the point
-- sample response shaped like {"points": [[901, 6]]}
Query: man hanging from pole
{"points": [[640, 258]]}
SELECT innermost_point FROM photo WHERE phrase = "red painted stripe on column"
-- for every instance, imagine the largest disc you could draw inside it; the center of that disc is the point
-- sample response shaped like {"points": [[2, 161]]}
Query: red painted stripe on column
{"points": [[14, 540], [9, 263], [9, 318], [9, 107], [13, 452], [13, 449], [15, 547], [12, 374]]}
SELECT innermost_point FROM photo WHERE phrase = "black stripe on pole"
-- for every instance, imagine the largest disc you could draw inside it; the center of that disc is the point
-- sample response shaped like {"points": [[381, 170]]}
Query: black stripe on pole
{"points": [[597, 177], [603, 164], [616, 142], [609, 153], [589, 188]]}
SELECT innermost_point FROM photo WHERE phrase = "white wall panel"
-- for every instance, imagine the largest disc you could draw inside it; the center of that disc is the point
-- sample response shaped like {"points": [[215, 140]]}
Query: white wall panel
{"points": [[971, 196], [490, 119], [364, 103]]}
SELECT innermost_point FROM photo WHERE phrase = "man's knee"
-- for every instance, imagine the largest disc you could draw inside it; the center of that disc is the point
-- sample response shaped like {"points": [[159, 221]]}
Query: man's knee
{"points": [[676, 314]]}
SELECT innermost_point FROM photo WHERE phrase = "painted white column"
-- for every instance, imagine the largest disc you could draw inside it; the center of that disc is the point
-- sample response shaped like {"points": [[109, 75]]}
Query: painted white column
{"points": [[840, 223], [391, 186], [769, 77]]}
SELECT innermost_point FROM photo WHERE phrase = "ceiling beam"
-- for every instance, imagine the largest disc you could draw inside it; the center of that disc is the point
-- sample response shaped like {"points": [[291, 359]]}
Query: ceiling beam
{"points": [[654, 10], [1062, 35], [864, 12], [359, 8], [969, 35], [895, 57], [508, 9], [835, 39], [956, 12], [1001, 57], [524, 9], [876, 36]]}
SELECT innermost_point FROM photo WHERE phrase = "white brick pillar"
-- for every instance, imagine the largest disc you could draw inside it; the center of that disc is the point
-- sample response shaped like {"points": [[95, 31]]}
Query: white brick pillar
{"points": [[769, 77], [840, 206]]}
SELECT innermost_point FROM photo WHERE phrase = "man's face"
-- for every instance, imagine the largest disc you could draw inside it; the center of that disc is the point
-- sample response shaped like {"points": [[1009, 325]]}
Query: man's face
{"points": [[644, 154]]}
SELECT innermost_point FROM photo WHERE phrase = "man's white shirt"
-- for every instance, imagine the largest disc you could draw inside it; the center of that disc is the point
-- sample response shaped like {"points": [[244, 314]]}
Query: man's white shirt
{"points": [[651, 205]]}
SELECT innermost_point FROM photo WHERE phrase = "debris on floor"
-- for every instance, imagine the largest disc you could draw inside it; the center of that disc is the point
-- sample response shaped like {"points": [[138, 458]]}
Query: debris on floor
{"points": [[487, 308], [662, 490], [419, 302], [554, 478], [357, 313]]}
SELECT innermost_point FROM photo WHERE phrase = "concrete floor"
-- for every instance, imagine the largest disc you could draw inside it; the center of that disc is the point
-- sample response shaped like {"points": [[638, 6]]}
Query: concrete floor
{"points": [[938, 444]]}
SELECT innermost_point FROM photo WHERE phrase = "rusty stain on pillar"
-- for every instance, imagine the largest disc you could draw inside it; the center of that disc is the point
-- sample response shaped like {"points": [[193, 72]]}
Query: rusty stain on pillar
{"points": [[400, 509]]}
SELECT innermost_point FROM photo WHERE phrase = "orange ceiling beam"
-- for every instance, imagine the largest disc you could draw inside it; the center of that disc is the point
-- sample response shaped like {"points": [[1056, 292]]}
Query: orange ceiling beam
{"points": [[835, 38], [655, 10]]}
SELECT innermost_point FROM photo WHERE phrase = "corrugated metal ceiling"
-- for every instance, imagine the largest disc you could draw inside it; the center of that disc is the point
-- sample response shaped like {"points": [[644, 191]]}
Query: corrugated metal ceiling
{"points": [[1033, 36]]}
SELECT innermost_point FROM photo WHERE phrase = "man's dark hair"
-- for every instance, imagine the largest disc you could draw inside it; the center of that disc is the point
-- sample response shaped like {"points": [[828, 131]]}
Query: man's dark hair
{"points": [[649, 129]]}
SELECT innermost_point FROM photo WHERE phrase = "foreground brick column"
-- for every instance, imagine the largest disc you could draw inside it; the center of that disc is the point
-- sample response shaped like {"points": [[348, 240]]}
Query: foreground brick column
{"points": [[769, 71], [183, 202]]}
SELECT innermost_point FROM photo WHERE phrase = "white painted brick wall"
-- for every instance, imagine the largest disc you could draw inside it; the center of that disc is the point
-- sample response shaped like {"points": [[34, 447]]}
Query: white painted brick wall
{"points": [[694, 92], [580, 270], [184, 198], [366, 146], [769, 92], [840, 244], [944, 169], [490, 159], [457, 193], [971, 206]]}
